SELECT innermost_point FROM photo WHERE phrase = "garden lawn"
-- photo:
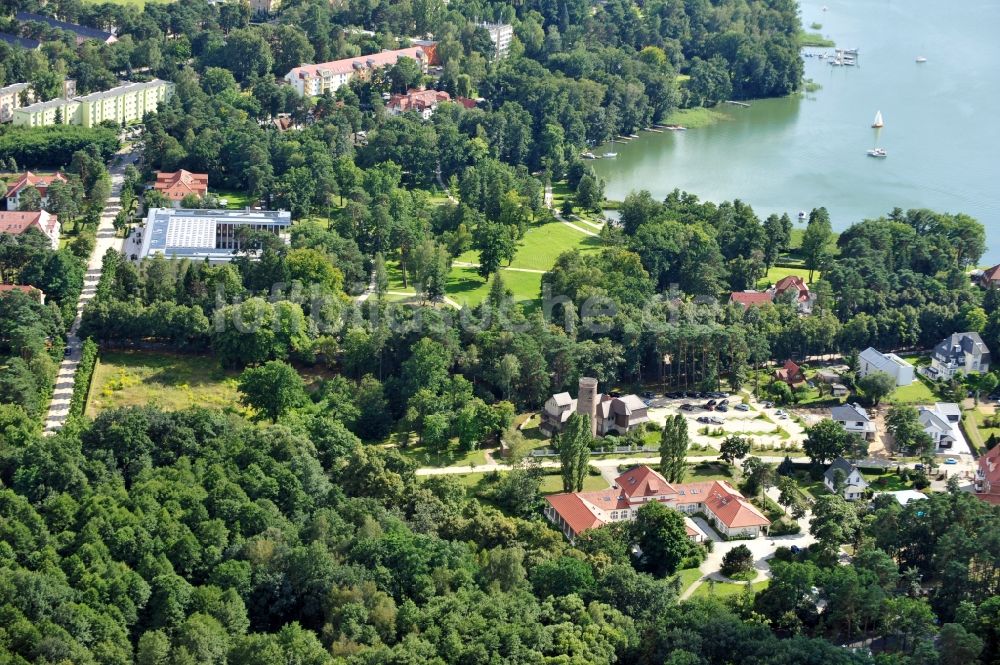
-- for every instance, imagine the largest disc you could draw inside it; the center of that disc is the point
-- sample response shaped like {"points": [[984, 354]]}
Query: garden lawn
{"points": [[703, 471], [687, 577], [779, 272], [235, 200], [917, 392], [725, 589], [134, 378], [466, 287], [452, 457], [552, 483], [696, 117], [542, 244]]}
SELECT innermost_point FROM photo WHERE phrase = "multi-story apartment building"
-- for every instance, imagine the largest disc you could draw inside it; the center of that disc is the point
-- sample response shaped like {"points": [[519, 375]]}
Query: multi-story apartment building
{"points": [[10, 99], [501, 35], [328, 76], [124, 104]]}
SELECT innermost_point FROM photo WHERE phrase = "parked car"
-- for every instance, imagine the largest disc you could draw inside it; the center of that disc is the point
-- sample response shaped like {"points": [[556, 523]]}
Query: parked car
{"points": [[67, 351], [951, 460], [724, 402], [918, 467], [675, 395], [648, 394], [704, 419], [779, 412], [767, 404], [742, 407], [715, 420], [710, 402], [687, 407], [722, 407]]}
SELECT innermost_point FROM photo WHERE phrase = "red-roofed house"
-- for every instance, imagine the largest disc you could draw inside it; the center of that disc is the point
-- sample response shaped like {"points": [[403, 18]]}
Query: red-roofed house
{"points": [[328, 76], [175, 186], [990, 277], [29, 179], [791, 374], [987, 483], [726, 509], [424, 102], [37, 294], [750, 298], [797, 286], [16, 223]]}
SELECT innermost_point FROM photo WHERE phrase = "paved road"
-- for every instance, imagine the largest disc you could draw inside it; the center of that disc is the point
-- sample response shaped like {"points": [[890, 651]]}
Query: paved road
{"points": [[65, 378]]}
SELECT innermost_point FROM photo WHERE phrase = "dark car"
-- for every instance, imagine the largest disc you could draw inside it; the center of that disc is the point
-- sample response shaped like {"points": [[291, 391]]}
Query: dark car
{"points": [[703, 419], [691, 394], [67, 351], [675, 395], [614, 393], [724, 402], [711, 402], [687, 407], [648, 394], [722, 407]]}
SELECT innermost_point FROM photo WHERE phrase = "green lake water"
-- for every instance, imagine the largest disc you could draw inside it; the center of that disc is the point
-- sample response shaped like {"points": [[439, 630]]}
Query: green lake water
{"points": [[785, 155]]}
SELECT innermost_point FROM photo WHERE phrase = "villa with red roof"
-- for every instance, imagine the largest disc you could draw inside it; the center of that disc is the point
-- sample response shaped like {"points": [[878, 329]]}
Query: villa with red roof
{"points": [[797, 286], [424, 102], [990, 277], [791, 374], [724, 508], [175, 186], [29, 179], [16, 223], [751, 298], [316, 79], [987, 483], [30, 291]]}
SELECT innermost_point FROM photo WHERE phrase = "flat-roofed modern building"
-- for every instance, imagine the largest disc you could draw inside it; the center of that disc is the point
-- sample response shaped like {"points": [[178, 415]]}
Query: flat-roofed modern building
{"points": [[123, 104], [205, 234]]}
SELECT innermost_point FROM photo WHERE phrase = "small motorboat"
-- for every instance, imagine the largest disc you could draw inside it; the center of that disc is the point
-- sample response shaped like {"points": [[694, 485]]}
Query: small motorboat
{"points": [[610, 155], [802, 214], [878, 153], [921, 58], [588, 155]]}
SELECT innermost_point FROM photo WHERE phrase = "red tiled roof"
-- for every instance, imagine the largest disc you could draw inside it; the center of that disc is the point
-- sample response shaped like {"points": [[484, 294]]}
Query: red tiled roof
{"points": [[30, 290], [179, 184], [750, 298], [643, 481], [39, 182], [792, 282], [992, 274], [574, 511], [17, 222], [348, 65], [732, 509], [466, 102], [418, 100]]}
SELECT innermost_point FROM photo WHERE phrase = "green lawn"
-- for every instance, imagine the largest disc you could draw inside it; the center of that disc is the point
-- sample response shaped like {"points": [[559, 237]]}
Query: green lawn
{"points": [[468, 288], [695, 118], [687, 577], [725, 589], [778, 272], [974, 422], [887, 482], [542, 244], [703, 471], [453, 457], [552, 483], [133, 378], [236, 200], [917, 392]]}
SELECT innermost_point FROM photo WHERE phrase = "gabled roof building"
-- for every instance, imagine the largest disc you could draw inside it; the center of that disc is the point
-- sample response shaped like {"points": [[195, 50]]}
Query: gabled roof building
{"points": [[175, 186], [323, 77], [727, 510], [29, 179], [871, 360]]}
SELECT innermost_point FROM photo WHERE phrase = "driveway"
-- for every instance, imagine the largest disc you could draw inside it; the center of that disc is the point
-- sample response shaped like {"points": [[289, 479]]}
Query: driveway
{"points": [[762, 548], [106, 239]]}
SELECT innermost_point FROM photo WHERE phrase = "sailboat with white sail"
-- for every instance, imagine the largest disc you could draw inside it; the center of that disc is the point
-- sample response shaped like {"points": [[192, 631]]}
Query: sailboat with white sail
{"points": [[878, 123]]}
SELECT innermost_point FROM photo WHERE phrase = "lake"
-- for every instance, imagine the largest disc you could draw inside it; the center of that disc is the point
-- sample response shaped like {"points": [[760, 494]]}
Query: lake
{"points": [[800, 152]]}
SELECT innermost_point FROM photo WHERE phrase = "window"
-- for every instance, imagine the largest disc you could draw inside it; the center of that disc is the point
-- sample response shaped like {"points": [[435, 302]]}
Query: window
{"points": [[614, 515]]}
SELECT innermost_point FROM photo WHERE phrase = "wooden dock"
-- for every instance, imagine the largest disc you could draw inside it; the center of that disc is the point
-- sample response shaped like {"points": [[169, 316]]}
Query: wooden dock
{"points": [[740, 104]]}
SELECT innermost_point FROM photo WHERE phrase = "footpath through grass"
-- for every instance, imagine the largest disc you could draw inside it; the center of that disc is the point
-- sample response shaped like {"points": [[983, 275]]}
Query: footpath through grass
{"points": [[137, 378]]}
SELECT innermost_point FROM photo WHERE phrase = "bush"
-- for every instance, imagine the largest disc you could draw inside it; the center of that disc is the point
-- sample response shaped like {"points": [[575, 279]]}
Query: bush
{"points": [[784, 527], [920, 480], [737, 560]]}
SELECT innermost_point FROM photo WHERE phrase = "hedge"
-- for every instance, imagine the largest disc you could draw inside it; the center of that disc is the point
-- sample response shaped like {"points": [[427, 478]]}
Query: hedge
{"points": [[82, 378]]}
